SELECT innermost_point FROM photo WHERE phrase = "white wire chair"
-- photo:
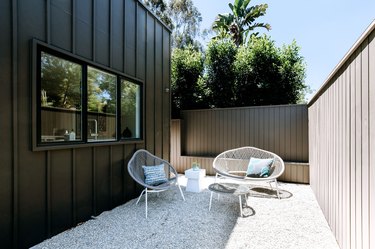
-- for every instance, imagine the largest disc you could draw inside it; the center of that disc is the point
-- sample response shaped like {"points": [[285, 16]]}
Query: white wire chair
{"points": [[234, 163], [145, 158]]}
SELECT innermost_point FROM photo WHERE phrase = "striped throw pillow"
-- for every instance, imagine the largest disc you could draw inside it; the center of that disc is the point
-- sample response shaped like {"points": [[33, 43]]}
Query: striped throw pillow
{"points": [[154, 175]]}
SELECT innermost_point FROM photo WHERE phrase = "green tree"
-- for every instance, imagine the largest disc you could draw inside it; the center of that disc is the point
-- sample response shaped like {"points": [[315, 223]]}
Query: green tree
{"points": [[101, 91], [186, 20], [61, 81], [241, 21], [160, 9], [187, 88], [220, 57], [182, 17], [268, 75]]}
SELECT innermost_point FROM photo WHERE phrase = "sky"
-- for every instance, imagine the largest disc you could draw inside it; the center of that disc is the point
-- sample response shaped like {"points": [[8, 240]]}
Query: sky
{"points": [[324, 29]]}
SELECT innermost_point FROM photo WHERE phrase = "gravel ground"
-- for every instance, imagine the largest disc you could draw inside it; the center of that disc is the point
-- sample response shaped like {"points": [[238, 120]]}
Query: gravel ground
{"points": [[295, 221]]}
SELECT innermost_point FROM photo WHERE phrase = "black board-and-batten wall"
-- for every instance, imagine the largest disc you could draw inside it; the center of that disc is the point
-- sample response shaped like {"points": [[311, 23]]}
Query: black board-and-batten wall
{"points": [[44, 192]]}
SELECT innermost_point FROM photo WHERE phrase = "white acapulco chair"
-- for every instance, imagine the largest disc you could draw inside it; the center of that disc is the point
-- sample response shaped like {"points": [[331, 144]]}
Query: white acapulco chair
{"points": [[234, 163], [145, 158]]}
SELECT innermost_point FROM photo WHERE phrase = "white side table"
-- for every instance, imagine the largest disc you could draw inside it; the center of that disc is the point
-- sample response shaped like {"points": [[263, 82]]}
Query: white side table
{"points": [[195, 179]]}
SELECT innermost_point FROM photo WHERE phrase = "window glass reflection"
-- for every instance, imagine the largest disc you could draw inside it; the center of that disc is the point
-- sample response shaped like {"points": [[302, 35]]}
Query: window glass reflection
{"points": [[61, 98], [101, 105], [130, 110]]}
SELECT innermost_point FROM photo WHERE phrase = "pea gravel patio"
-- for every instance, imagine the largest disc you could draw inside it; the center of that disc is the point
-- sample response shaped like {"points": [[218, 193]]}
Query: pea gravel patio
{"points": [[295, 221]]}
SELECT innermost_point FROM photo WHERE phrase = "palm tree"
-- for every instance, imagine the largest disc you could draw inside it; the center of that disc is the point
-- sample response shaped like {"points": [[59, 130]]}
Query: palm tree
{"points": [[241, 21]]}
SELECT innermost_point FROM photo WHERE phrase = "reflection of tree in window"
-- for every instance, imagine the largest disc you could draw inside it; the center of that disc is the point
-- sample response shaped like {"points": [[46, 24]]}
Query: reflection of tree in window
{"points": [[60, 89], [61, 82], [101, 91], [101, 104], [130, 109]]}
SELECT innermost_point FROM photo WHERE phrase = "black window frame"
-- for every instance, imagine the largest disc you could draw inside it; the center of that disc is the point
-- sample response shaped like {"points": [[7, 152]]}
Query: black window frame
{"points": [[37, 144]]}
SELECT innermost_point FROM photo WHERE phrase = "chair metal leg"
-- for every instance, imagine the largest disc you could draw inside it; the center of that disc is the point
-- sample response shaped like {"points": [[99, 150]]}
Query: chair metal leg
{"points": [[270, 185], [277, 189], [146, 202], [182, 194], [140, 196]]}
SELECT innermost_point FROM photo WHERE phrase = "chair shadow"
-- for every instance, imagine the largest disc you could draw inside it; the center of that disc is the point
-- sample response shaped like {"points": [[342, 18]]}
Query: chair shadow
{"points": [[265, 192], [248, 211]]}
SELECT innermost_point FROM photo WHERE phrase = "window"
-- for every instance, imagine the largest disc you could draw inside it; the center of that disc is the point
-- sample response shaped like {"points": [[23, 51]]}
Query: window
{"points": [[78, 102], [101, 105], [61, 98], [130, 110]]}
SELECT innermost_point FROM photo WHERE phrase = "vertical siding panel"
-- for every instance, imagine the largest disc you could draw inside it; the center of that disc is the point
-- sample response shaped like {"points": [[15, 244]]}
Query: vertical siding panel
{"points": [[301, 138], [158, 89], [205, 124], [339, 162], [30, 191], [84, 183], [305, 136], [141, 42], [102, 178], [352, 156], [365, 145], [61, 191], [61, 24], [288, 138], [166, 94], [247, 128], [118, 168], [261, 124], [130, 37], [252, 127], [229, 130], [335, 128], [282, 134], [150, 85], [102, 32], [346, 181], [8, 171], [296, 133], [358, 150], [84, 28], [372, 137], [215, 131], [342, 136], [117, 34]]}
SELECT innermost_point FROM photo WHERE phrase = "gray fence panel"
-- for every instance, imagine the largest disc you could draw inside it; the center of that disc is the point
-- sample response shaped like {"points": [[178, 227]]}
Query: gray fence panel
{"points": [[342, 142], [281, 129]]}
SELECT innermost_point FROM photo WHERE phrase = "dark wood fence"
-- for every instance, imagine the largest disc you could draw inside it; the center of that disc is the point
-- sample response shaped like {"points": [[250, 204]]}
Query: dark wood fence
{"points": [[203, 134], [280, 129]]}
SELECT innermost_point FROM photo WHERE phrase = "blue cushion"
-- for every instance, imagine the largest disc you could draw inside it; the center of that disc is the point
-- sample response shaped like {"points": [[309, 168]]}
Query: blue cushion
{"points": [[259, 167], [154, 175]]}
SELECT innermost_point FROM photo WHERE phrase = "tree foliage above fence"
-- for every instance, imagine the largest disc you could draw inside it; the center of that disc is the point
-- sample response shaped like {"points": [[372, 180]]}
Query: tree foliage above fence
{"points": [[268, 75], [257, 73], [230, 72], [186, 73]]}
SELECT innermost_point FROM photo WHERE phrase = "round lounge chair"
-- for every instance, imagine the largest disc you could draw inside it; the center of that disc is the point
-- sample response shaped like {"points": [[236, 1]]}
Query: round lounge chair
{"points": [[234, 164], [136, 171]]}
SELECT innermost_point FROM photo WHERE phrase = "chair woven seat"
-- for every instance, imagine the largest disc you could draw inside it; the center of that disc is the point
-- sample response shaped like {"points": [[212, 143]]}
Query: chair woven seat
{"points": [[145, 158], [234, 163]]}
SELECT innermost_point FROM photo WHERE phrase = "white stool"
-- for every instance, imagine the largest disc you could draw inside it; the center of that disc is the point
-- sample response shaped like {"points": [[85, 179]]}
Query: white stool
{"points": [[195, 179]]}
